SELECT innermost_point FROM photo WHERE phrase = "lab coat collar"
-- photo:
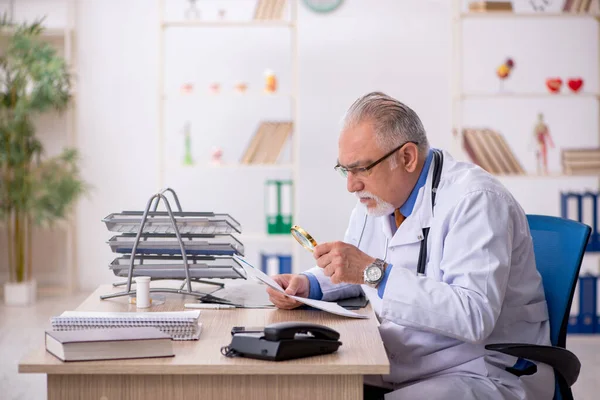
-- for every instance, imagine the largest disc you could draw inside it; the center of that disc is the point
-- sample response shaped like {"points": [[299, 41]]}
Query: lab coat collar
{"points": [[411, 230]]}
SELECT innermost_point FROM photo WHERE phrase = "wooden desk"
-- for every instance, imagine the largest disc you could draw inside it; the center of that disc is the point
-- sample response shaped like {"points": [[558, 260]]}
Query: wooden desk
{"points": [[200, 371]]}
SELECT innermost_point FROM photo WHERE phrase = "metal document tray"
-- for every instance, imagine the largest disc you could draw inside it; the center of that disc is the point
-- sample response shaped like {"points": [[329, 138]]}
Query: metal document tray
{"points": [[173, 268], [210, 245], [159, 222]]}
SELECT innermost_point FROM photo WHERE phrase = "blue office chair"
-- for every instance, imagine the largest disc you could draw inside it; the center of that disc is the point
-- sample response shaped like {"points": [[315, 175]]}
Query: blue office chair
{"points": [[559, 245]]}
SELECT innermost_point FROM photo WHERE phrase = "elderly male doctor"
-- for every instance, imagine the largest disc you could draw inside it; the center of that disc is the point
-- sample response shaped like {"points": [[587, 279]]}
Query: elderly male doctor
{"points": [[477, 283]]}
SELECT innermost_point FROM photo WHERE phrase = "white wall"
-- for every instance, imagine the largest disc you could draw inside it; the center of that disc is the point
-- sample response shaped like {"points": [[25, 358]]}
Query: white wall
{"points": [[117, 120], [400, 47], [339, 60]]}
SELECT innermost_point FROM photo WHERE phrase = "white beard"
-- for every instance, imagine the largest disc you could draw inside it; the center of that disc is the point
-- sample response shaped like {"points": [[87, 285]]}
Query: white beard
{"points": [[381, 207]]}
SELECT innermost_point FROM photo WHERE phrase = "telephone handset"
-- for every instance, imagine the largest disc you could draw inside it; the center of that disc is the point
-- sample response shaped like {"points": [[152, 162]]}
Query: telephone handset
{"points": [[283, 341]]}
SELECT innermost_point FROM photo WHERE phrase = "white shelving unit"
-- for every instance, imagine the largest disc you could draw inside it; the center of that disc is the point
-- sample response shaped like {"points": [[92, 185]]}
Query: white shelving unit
{"points": [[253, 239], [546, 187], [459, 95], [63, 38]]}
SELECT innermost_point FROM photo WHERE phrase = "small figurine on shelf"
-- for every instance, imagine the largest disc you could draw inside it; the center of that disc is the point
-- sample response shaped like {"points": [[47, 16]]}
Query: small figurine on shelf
{"points": [[192, 11], [241, 87], [270, 81], [504, 70], [554, 84], [543, 139], [215, 87], [187, 88], [575, 84], [222, 13], [187, 132], [216, 156]]}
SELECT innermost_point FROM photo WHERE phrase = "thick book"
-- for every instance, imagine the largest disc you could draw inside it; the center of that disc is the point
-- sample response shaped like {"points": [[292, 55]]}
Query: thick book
{"points": [[109, 344]]}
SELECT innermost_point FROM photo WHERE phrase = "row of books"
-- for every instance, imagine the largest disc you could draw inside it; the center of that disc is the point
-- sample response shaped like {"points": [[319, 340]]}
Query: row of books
{"points": [[582, 6], [269, 10], [581, 161], [488, 149], [569, 6], [484, 6], [267, 143]]}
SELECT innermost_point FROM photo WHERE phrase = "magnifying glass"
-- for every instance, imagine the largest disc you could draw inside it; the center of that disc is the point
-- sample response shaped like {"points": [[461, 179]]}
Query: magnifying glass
{"points": [[303, 238]]}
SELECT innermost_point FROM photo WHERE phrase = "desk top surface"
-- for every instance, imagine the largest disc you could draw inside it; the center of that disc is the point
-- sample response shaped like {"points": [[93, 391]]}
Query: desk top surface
{"points": [[361, 352]]}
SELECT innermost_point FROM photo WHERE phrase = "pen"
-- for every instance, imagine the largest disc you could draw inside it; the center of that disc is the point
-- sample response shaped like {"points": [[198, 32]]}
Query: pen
{"points": [[209, 306]]}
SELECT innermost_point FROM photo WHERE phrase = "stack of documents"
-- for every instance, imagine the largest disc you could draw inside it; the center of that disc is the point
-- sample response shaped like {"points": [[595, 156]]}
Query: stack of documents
{"points": [[179, 325]]}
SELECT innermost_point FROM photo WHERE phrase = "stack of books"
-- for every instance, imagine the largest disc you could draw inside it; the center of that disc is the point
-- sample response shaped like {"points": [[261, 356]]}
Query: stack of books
{"points": [[486, 6], [267, 143], [269, 9], [179, 325], [585, 161], [489, 150]]}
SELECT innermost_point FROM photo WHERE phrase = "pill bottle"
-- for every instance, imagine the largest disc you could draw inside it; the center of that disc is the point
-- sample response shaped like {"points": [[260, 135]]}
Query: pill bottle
{"points": [[142, 291]]}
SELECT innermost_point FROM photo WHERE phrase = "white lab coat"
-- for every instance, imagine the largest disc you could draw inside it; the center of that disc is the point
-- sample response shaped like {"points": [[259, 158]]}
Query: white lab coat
{"points": [[481, 284]]}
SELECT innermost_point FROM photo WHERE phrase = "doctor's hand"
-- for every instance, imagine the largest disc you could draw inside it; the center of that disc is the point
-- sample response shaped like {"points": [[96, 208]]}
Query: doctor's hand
{"points": [[293, 284], [342, 262]]}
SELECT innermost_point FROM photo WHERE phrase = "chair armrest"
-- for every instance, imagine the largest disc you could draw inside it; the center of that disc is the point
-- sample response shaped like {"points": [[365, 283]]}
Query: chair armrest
{"points": [[562, 360]]}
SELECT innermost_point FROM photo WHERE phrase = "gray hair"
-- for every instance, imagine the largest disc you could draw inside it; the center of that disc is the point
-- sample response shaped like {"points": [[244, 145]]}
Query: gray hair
{"points": [[394, 122]]}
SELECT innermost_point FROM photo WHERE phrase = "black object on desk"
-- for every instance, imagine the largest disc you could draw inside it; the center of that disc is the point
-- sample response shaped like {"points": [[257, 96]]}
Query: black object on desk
{"points": [[354, 303], [283, 341]]}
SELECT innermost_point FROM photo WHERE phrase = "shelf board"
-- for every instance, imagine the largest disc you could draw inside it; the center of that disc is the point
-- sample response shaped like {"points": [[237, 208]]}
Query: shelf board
{"points": [[236, 166], [529, 95], [264, 237], [551, 175], [227, 95], [227, 24], [252, 166], [509, 14]]}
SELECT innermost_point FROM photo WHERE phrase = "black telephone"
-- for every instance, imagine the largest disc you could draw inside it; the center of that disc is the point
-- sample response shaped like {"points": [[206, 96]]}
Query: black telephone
{"points": [[282, 341]]}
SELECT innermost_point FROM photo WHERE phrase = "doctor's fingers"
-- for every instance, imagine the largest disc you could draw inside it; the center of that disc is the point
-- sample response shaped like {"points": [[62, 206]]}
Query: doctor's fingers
{"points": [[325, 260], [281, 301], [329, 270]]}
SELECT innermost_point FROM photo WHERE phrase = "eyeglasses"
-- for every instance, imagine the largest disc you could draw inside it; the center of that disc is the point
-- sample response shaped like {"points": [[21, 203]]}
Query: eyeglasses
{"points": [[366, 171]]}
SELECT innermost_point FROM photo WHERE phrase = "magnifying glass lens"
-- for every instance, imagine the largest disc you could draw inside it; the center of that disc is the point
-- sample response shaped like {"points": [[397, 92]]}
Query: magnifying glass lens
{"points": [[303, 238]]}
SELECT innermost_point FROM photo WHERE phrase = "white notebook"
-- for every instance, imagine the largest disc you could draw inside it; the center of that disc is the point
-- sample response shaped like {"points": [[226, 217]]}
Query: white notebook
{"points": [[180, 325]]}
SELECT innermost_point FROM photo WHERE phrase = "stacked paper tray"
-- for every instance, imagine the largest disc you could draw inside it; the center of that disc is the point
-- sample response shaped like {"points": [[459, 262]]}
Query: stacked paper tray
{"points": [[172, 267], [219, 245], [160, 222]]}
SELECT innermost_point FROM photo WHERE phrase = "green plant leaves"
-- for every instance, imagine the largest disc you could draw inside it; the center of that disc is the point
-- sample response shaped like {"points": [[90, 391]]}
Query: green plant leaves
{"points": [[34, 79]]}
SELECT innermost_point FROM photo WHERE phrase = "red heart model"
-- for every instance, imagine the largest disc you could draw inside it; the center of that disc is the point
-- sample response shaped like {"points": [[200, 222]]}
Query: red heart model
{"points": [[575, 84], [554, 84]]}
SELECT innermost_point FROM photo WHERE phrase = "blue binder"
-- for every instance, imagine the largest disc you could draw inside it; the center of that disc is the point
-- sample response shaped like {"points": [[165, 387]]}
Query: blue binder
{"points": [[285, 262], [587, 320], [566, 197]]}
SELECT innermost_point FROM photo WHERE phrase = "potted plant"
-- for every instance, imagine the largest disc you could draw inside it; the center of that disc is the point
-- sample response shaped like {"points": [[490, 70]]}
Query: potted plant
{"points": [[34, 190]]}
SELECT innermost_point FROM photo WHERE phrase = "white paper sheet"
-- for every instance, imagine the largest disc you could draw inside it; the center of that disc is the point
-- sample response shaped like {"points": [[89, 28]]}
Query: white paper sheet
{"points": [[328, 306]]}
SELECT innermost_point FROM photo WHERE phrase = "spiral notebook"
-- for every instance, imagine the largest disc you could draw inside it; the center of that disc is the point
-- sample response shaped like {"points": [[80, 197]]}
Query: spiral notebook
{"points": [[180, 325]]}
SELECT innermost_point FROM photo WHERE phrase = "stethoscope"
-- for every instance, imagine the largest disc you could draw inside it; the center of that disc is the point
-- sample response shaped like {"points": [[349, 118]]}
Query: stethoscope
{"points": [[438, 159]]}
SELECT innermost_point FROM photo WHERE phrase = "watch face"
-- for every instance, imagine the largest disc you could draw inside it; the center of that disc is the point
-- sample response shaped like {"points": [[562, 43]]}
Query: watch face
{"points": [[373, 274]]}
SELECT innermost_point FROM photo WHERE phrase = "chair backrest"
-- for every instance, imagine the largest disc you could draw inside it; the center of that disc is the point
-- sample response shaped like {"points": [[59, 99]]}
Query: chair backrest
{"points": [[559, 245]]}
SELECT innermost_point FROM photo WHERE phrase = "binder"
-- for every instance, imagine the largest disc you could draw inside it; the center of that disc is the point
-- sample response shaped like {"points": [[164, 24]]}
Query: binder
{"points": [[587, 319], [273, 264], [572, 207], [279, 206]]}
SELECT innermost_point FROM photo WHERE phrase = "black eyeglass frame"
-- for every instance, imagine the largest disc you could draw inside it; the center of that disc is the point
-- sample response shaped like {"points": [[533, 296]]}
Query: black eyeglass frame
{"points": [[344, 171]]}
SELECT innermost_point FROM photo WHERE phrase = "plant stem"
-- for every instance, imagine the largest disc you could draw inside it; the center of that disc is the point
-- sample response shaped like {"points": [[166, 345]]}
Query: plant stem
{"points": [[19, 250], [29, 245], [10, 242]]}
